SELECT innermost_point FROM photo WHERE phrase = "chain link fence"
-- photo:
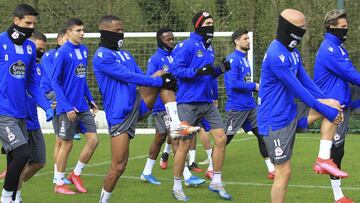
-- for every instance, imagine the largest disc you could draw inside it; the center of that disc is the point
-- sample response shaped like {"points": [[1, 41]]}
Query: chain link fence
{"points": [[259, 16]]}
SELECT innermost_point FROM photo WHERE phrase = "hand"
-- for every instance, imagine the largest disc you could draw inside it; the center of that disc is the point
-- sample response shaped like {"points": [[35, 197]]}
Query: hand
{"points": [[169, 82], [257, 86], [94, 107], [208, 69], [224, 65], [216, 103], [49, 114], [72, 114], [53, 104], [339, 118], [332, 103]]}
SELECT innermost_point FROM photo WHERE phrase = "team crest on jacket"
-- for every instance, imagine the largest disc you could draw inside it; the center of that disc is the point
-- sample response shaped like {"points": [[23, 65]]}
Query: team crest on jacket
{"points": [[17, 70], [38, 71], [80, 71], [165, 67], [199, 54]]}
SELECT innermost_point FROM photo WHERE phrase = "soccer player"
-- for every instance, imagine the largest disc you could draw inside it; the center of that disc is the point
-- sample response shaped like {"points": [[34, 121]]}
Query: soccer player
{"points": [[35, 137], [333, 73], [17, 72], [282, 79], [45, 84], [70, 87], [162, 60], [118, 76], [241, 108], [194, 67]]}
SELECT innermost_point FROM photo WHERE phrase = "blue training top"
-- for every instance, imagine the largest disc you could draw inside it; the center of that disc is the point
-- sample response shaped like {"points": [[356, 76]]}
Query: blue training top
{"points": [[69, 78], [117, 75], [282, 79], [17, 77], [333, 70], [190, 55], [238, 83]]}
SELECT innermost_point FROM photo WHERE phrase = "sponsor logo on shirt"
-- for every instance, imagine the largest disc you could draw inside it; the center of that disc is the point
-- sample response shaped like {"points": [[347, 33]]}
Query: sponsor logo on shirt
{"points": [[17, 70], [80, 71]]}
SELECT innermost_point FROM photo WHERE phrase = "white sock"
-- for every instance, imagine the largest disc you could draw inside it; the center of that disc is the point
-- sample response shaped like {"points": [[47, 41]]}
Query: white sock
{"points": [[167, 148], [270, 166], [210, 167], [105, 196], [325, 149], [186, 173], [78, 168], [171, 110], [192, 155], [55, 171], [216, 178], [336, 186], [6, 196], [209, 152], [177, 183], [18, 195], [148, 166], [60, 178]]}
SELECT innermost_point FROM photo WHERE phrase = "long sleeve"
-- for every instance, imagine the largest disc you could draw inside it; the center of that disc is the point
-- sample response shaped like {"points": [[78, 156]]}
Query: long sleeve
{"points": [[287, 78], [309, 84], [59, 64], [343, 68], [238, 84], [180, 65], [109, 66], [214, 89], [33, 87]]}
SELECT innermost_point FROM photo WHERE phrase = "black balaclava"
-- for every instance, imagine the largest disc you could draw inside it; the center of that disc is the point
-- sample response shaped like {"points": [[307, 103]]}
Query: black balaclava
{"points": [[207, 32], [288, 34], [39, 54], [338, 32], [160, 43], [18, 35], [111, 40]]}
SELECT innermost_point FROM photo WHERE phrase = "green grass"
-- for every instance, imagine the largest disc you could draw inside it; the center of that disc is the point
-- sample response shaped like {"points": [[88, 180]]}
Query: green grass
{"points": [[244, 174]]}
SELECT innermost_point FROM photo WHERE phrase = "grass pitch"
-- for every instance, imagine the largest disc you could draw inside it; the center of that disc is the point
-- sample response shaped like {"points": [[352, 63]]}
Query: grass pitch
{"points": [[244, 174]]}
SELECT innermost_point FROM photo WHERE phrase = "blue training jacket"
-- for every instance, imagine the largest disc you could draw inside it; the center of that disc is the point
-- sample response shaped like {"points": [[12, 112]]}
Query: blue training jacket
{"points": [[117, 75], [32, 120], [282, 79], [69, 78], [333, 70], [190, 55], [17, 77], [160, 60], [238, 83], [47, 64]]}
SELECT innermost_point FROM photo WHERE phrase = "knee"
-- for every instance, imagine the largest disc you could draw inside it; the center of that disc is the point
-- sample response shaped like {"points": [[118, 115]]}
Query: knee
{"points": [[93, 142], [21, 153], [118, 169], [66, 145], [220, 140], [161, 139], [38, 166]]}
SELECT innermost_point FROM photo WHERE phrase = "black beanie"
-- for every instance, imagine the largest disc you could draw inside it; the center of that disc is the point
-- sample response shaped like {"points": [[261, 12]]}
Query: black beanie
{"points": [[199, 18]]}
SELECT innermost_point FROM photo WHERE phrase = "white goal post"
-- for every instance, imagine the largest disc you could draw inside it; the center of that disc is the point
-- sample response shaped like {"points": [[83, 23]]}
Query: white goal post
{"points": [[100, 117]]}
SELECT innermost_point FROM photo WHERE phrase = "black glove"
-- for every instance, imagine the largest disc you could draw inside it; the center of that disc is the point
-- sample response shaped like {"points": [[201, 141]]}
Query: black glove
{"points": [[169, 82], [208, 69], [224, 65]]}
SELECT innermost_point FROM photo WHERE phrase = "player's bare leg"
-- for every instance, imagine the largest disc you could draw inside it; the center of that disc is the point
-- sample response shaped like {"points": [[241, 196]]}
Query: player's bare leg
{"points": [[281, 180]]}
